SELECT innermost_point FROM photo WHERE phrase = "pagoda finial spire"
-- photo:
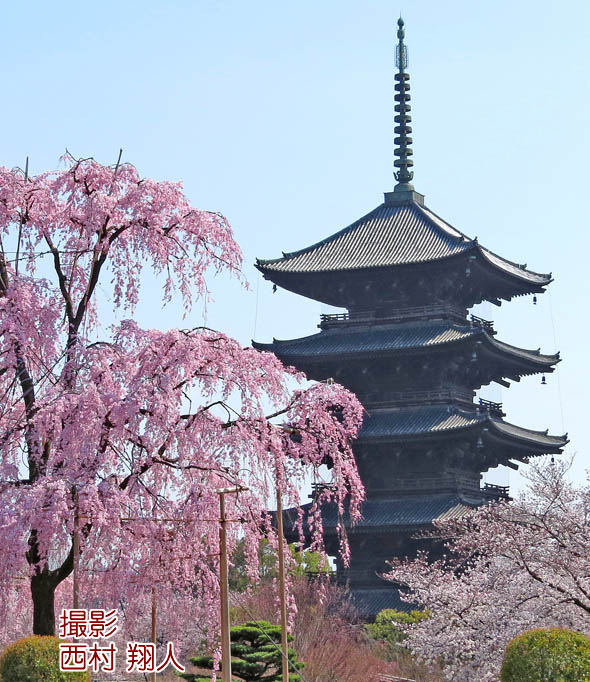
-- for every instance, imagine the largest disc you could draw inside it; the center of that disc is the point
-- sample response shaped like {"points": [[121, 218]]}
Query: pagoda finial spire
{"points": [[403, 150]]}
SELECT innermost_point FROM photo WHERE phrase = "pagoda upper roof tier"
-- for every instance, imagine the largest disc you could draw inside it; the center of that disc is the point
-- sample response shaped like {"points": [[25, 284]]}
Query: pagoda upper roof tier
{"points": [[335, 344], [372, 340], [412, 423], [395, 235]]}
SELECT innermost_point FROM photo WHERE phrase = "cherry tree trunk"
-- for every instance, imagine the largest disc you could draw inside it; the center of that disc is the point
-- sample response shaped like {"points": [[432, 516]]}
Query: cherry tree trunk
{"points": [[43, 594]]}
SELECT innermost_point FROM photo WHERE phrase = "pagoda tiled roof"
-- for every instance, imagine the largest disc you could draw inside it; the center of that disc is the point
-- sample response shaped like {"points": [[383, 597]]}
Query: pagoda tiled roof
{"points": [[370, 601], [432, 419], [393, 514], [405, 511], [388, 338], [376, 338], [390, 235], [418, 421], [417, 512]]}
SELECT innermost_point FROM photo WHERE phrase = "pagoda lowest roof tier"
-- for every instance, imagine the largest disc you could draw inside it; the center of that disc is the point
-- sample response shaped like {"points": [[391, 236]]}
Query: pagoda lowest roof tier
{"points": [[410, 423], [389, 339], [399, 232], [370, 601], [394, 513]]}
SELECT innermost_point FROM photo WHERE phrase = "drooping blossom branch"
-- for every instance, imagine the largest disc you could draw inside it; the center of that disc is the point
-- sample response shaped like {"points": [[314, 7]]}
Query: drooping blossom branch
{"points": [[137, 427]]}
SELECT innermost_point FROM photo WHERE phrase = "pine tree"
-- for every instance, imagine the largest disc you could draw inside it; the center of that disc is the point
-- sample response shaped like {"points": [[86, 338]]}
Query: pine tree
{"points": [[256, 655]]}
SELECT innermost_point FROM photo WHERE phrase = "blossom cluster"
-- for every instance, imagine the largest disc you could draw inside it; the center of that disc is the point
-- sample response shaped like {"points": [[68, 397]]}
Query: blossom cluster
{"points": [[509, 567], [121, 437]]}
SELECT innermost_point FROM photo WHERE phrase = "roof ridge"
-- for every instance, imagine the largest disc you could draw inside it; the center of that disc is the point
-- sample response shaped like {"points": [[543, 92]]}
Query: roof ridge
{"points": [[326, 240], [475, 241], [462, 235]]}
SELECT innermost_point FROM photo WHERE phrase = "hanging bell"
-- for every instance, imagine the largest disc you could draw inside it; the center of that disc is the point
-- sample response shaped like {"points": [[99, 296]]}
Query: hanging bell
{"points": [[535, 299], [543, 380], [474, 357], [479, 444], [468, 271]]}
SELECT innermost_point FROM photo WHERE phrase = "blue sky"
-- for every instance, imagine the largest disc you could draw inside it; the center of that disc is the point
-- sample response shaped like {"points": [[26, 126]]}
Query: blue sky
{"points": [[280, 114]]}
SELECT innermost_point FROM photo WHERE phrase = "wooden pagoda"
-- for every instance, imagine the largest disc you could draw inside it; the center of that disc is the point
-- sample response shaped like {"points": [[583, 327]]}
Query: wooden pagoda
{"points": [[414, 356]]}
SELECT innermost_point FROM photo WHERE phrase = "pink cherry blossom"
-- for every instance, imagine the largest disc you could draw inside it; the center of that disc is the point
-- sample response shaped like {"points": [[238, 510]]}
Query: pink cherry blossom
{"points": [[510, 567], [140, 426]]}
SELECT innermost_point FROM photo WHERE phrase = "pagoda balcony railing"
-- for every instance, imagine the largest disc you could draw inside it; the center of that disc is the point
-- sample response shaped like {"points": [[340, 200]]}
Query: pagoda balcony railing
{"points": [[424, 312], [440, 483], [497, 492], [476, 321], [319, 488], [358, 576], [491, 407], [442, 395]]}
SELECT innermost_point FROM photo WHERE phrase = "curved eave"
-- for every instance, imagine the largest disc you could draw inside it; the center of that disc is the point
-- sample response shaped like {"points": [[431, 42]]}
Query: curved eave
{"points": [[504, 265], [390, 238], [529, 437], [515, 270], [539, 362], [432, 423], [300, 352], [377, 341]]}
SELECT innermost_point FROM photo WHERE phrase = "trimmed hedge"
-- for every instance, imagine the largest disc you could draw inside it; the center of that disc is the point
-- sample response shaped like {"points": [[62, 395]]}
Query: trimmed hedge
{"points": [[547, 655], [36, 659]]}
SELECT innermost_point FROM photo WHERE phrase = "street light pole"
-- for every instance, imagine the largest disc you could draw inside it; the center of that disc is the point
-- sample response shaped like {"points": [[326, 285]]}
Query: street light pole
{"points": [[284, 636], [224, 583], [154, 629], [225, 641], [76, 552]]}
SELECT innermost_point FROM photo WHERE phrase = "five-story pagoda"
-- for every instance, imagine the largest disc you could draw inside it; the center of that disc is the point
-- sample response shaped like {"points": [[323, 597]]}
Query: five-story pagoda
{"points": [[415, 357]]}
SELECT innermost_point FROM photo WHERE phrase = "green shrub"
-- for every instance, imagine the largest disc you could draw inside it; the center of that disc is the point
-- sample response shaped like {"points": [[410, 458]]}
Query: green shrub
{"points": [[256, 655], [552, 655], [386, 627], [36, 659]]}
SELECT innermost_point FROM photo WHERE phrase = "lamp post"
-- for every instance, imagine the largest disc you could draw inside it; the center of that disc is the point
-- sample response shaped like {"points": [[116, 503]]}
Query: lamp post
{"points": [[284, 637], [223, 579], [154, 629], [76, 552], [76, 489]]}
